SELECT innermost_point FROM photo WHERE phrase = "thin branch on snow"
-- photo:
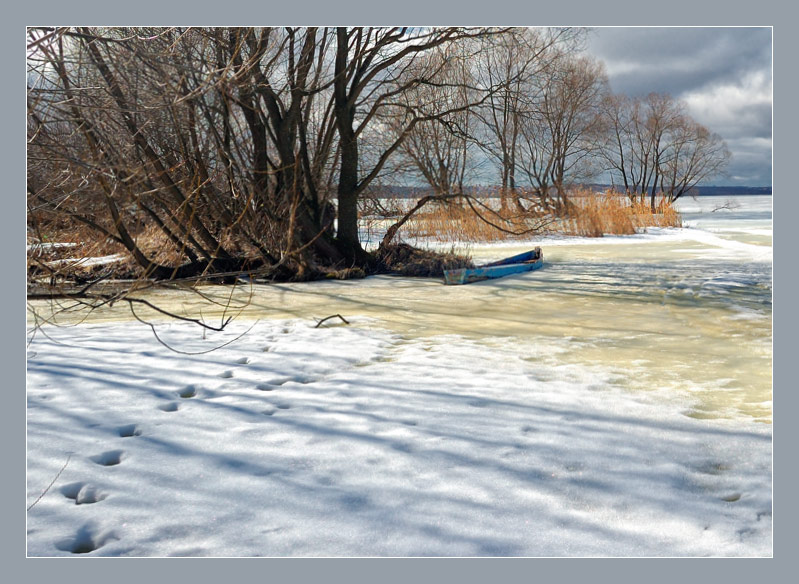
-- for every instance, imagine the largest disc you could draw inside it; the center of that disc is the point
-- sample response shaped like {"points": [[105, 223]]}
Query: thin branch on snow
{"points": [[319, 322], [51, 484]]}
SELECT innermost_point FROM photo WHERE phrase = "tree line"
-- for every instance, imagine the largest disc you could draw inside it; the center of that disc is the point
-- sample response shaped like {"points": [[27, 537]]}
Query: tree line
{"points": [[250, 149]]}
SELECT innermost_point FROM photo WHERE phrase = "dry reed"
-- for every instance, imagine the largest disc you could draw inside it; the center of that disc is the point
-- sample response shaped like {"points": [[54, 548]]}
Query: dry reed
{"points": [[615, 214], [588, 215], [458, 222]]}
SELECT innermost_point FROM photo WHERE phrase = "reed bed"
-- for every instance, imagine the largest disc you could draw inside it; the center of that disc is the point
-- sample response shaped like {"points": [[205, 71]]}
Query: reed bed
{"points": [[587, 215], [454, 222], [615, 214]]}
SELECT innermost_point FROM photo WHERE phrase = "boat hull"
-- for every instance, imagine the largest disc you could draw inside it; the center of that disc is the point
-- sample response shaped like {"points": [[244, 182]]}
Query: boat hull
{"points": [[528, 256], [525, 262]]}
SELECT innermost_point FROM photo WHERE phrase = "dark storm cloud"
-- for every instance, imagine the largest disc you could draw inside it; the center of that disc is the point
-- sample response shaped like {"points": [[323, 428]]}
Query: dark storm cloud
{"points": [[723, 75], [676, 60], [751, 163]]}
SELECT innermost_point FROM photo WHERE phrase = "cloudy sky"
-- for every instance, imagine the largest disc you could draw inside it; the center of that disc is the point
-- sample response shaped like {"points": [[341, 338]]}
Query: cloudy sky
{"points": [[722, 74]]}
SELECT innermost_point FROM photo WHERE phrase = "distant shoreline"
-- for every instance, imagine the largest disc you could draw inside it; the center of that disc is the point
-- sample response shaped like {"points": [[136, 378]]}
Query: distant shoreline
{"points": [[406, 192], [732, 191]]}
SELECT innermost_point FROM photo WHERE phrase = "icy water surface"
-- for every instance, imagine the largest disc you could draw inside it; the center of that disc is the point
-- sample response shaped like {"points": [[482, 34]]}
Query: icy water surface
{"points": [[681, 315]]}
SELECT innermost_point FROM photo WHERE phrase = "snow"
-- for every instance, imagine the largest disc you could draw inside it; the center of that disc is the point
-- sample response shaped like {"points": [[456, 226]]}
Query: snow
{"points": [[554, 433], [86, 262], [346, 441], [48, 245]]}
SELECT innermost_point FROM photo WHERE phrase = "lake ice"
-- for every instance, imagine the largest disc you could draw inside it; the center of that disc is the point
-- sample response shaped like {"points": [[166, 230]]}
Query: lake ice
{"points": [[616, 402]]}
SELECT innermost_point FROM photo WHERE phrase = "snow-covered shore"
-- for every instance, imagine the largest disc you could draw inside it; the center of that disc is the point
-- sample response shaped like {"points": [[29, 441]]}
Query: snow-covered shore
{"points": [[340, 441]]}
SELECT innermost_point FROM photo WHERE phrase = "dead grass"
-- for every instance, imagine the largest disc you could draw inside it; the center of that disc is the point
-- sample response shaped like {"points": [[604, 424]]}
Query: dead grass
{"points": [[589, 215], [458, 222], [406, 260], [616, 214], [156, 245], [75, 244]]}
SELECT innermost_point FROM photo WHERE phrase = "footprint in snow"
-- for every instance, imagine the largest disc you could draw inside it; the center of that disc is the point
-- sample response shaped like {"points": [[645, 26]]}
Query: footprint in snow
{"points": [[304, 380], [226, 374], [402, 447], [169, 407], [279, 381], [265, 387], [243, 361], [82, 493], [354, 502], [110, 458], [712, 467], [129, 430], [188, 392], [87, 539], [732, 497]]}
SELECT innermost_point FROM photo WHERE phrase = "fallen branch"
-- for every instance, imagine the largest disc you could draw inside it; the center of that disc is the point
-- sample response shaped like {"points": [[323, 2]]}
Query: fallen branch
{"points": [[319, 323], [392, 231], [728, 205], [112, 298], [51, 484], [174, 350]]}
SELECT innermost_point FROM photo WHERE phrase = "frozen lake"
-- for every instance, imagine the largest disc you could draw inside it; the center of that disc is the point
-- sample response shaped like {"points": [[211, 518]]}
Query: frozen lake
{"points": [[615, 402], [684, 313]]}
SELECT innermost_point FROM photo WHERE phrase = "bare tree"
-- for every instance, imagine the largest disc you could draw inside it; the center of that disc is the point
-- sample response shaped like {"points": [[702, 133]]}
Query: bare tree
{"points": [[226, 139], [663, 117], [515, 63], [653, 145], [183, 128], [560, 137], [439, 150], [696, 154], [618, 147], [371, 76]]}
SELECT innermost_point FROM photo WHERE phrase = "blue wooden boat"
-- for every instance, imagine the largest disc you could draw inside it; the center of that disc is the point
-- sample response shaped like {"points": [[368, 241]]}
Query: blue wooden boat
{"points": [[524, 262]]}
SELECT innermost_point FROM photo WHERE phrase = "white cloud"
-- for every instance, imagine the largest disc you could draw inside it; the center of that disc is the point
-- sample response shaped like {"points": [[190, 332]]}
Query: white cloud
{"points": [[744, 104]]}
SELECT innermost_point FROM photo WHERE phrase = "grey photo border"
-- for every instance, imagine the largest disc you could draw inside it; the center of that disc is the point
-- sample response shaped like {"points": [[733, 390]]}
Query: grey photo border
{"points": [[415, 12]]}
